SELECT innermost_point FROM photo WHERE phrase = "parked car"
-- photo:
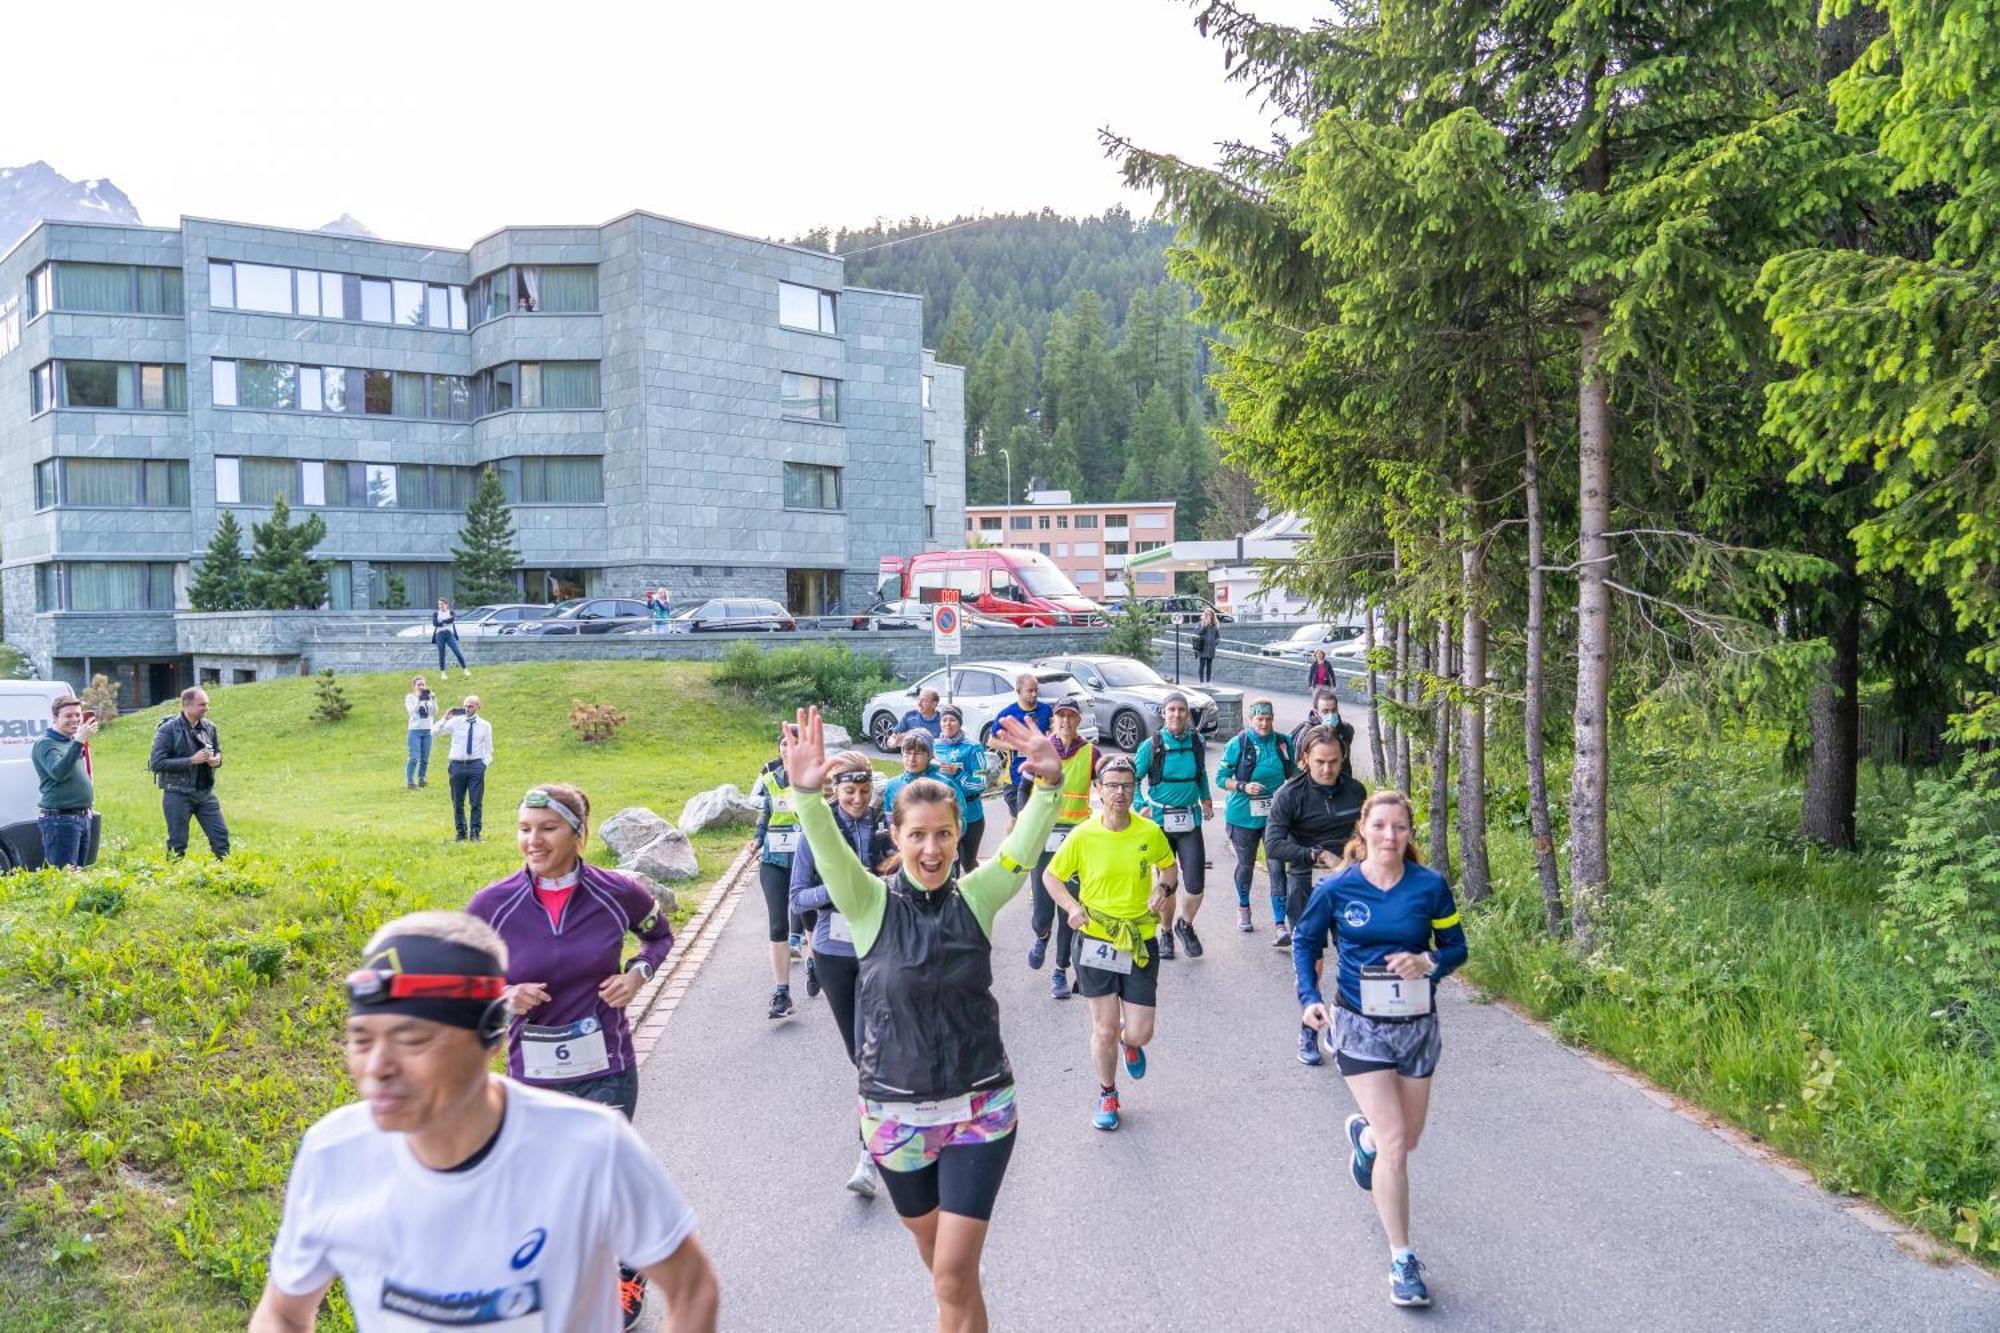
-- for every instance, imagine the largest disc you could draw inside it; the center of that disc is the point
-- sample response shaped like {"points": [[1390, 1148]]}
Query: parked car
{"points": [[1126, 695], [590, 615], [736, 615], [479, 620], [1320, 634], [1020, 587], [909, 613], [1179, 609], [980, 689]]}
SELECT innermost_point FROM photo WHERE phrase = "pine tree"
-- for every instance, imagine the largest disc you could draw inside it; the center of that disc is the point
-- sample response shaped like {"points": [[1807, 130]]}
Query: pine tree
{"points": [[485, 558], [220, 584], [283, 575]]}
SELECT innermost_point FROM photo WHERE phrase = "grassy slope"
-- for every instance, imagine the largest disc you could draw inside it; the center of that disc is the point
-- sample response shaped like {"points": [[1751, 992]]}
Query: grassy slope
{"points": [[172, 1028]]}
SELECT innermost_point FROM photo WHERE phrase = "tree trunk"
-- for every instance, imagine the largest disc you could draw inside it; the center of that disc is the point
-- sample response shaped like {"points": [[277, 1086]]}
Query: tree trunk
{"points": [[1403, 696], [1538, 774], [1590, 849], [1441, 712], [1834, 715], [1475, 880], [1374, 698]]}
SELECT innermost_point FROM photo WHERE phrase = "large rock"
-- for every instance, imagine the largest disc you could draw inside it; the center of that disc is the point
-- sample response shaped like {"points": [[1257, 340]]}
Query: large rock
{"points": [[668, 858], [715, 808], [665, 897], [838, 738], [632, 828]]}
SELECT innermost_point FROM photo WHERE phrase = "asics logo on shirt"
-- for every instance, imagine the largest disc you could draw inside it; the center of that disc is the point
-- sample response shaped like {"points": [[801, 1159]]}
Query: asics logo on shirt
{"points": [[1355, 915], [530, 1247]]}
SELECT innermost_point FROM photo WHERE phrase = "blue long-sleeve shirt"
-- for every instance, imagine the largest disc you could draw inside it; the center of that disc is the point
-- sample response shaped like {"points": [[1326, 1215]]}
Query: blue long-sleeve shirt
{"points": [[1368, 924], [869, 837], [970, 756]]}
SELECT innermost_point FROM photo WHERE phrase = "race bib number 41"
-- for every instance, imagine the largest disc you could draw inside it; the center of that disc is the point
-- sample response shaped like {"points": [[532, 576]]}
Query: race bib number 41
{"points": [[1386, 995], [1102, 955]]}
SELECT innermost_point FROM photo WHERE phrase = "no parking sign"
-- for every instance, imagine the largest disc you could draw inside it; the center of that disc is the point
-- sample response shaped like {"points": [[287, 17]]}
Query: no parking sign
{"points": [[944, 627]]}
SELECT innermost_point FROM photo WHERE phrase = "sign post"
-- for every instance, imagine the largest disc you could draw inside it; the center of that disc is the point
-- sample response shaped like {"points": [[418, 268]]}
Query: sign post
{"points": [[945, 624]]}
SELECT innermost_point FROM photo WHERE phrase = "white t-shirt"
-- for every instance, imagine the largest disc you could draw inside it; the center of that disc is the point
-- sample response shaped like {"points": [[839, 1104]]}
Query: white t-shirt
{"points": [[528, 1241]]}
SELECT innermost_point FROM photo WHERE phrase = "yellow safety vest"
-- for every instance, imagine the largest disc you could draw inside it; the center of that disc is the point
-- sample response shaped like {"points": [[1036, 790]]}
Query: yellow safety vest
{"points": [[784, 811], [1078, 770]]}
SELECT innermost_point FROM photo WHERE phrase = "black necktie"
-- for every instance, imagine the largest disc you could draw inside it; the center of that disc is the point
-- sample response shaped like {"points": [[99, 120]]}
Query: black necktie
{"points": [[471, 731]]}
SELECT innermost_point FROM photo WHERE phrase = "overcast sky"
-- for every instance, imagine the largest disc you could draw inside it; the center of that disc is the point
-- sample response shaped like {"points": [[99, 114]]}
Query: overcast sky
{"points": [[434, 121]]}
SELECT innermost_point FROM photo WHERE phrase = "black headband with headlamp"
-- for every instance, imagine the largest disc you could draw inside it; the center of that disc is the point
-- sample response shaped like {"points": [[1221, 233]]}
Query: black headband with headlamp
{"points": [[422, 976]]}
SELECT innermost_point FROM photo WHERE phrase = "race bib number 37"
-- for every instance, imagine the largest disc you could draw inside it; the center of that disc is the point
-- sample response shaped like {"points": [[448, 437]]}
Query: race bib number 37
{"points": [[1177, 821]]}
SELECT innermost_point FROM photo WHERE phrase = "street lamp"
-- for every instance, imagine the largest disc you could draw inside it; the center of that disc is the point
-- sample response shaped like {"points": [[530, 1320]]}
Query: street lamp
{"points": [[1008, 535]]}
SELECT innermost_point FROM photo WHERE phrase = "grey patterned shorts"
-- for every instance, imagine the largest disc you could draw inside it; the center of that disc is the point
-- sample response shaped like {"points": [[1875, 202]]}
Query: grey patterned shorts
{"points": [[1363, 1045]]}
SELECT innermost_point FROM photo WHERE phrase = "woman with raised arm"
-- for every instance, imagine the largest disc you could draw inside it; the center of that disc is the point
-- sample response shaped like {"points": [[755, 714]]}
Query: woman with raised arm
{"points": [[937, 1093]]}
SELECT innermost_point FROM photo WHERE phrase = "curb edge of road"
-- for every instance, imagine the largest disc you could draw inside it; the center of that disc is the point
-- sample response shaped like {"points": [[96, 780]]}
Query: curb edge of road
{"points": [[1865, 1211], [654, 1006]]}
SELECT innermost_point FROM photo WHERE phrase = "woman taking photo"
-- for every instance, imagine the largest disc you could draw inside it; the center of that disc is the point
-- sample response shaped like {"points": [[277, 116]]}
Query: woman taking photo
{"points": [[1396, 933], [420, 706], [863, 827], [565, 922], [444, 633], [937, 1093]]}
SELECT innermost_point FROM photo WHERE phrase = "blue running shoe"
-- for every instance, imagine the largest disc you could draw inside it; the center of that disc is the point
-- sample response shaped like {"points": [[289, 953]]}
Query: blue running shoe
{"points": [[1360, 1162], [1107, 1111], [1135, 1060], [1308, 1046], [1406, 1282], [1038, 952], [1059, 985]]}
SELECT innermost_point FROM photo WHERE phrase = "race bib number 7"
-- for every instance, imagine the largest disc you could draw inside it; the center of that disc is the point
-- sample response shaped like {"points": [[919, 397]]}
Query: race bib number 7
{"points": [[781, 839], [1386, 995]]}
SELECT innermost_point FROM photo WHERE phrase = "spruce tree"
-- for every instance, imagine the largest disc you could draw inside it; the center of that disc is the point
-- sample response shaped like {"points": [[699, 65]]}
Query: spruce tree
{"points": [[283, 575], [485, 558], [221, 582]]}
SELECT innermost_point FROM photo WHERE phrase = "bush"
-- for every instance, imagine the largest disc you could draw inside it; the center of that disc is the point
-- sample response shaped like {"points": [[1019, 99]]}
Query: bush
{"points": [[14, 664], [1941, 910], [330, 700], [595, 723], [101, 698], [1133, 627], [395, 593], [831, 675]]}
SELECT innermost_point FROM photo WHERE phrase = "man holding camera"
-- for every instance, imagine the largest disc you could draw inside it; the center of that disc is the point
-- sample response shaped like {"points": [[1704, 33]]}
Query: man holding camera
{"points": [[421, 706], [186, 753], [62, 764], [470, 738]]}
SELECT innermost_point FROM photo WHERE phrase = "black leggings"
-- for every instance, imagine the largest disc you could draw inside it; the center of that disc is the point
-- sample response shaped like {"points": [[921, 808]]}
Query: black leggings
{"points": [[1246, 841], [1192, 850], [838, 977], [968, 842], [776, 881], [965, 1179], [1045, 915]]}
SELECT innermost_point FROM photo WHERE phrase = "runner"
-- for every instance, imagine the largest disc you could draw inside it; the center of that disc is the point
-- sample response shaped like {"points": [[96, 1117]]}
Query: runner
{"points": [[1173, 773], [564, 922], [1254, 765], [867, 832], [1397, 932], [962, 761], [937, 1093], [1312, 818], [1326, 713], [1028, 708], [1079, 760], [777, 838], [1126, 869], [920, 762], [452, 1197]]}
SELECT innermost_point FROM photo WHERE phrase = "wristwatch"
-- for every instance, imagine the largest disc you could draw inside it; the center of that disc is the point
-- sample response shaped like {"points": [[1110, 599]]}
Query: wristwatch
{"points": [[643, 968]]}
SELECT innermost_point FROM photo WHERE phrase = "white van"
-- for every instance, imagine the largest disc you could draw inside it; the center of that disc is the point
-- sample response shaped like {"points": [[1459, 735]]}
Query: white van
{"points": [[24, 719]]}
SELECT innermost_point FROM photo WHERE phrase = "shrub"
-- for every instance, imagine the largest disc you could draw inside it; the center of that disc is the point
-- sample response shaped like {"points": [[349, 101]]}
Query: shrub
{"points": [[1941, 909], [831, 675], [14, 664], [595, 723], [330, 701], [395, 593], [101, 698], [1132, 629]]}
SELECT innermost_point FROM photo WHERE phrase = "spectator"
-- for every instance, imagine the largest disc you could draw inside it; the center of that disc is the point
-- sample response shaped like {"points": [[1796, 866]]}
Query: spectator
{"points": [[1320, 674], [661, 604], [62, 762], [421, 705], [444, 633], [471, 750], [1207, 638], [1326, 713], [186, 753], [924, 718]]}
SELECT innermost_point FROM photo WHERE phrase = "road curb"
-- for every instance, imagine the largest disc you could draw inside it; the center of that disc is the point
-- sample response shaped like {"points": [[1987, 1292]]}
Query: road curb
{"points": [[1865, 1211], [654, 1006]]}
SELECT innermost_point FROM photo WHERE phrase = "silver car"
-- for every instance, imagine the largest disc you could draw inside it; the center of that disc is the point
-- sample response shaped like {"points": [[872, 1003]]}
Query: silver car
{"points": [[1126, 695]]}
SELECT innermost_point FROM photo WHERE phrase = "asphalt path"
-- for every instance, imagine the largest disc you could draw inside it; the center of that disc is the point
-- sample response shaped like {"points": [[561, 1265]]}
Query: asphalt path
{"points": [[1546, 1193]]}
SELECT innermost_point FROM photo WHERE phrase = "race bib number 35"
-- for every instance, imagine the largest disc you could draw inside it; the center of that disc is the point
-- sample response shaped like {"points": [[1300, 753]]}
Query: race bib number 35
{"points": [[1260, 807], [1386, 995], [557, 1054], [1103, 956]]}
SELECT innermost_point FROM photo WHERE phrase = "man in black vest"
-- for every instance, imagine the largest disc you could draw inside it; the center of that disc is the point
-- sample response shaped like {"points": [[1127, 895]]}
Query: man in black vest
{"points": [[186, 753]]}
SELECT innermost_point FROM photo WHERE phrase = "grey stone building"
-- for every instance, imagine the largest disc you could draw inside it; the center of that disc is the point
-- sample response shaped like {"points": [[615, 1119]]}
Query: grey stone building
{"points": [[666, 404]]}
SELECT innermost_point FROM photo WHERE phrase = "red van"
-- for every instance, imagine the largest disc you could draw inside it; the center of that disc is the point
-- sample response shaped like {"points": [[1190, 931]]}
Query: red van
{"points": [[1023, 587]]}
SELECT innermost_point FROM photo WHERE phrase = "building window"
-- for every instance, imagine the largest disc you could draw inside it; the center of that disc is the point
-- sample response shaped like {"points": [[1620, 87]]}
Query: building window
{"points": [[1042, 522], [1062, 521], [1084, 549], [811, 396], [124, 585], [1023, 523], [927, 389], [558, 386], [810, 486], [554, 480], [342, 485], [10, 324], [1117, 548], [930, 458], [423, 582], [805, 308], [558, 585], [1086, 520], [1083, 576], [106, 289], [530, 289], [1062, 550], [989, 525], [45, 484], [1043, 548], [112, 483], [109, 386], [48, 587], [41, 291], [280, 386], [1116, 521], [1152, 520], [42, 388], [273, 290], [930, 522], [1149, 546]]}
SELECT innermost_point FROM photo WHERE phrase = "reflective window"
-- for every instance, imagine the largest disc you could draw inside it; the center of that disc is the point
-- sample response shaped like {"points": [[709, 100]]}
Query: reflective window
{"points": [[308, 292], [813, 396], [409, 301], [809, 486], [333, 297], [260, 287], [381, 486], [556, 385], [575, 479], [805, 308], [375, 303]]}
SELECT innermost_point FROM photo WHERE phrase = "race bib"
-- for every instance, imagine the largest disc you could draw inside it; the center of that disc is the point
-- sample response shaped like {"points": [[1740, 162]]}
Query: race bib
{"points": [[1056, 837], [1177, 821], [948, 1111], [515, 1309], [838, 927], [1102, 955], [781, 839], [1260, 806], [551, 1055], [1386, 995]]}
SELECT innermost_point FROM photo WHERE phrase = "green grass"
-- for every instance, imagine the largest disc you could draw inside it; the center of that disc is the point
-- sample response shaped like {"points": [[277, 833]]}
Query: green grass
{"points": [[171, 1028], [1747, 974]]}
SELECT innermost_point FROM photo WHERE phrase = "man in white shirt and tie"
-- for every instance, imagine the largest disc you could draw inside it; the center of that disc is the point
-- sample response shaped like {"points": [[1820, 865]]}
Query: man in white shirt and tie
{"points": [[471, 741]]}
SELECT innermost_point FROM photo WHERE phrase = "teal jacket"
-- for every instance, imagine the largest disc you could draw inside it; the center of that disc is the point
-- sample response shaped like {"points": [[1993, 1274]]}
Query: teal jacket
{"points": [[58, 762], [1270, 765], [902, 780], [1183, 781], [970, 756]]}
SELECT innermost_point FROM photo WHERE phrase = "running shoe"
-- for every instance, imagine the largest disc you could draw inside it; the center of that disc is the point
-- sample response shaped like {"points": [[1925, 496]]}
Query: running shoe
{"points": [[1135, 1060], [1243, 918], [1059, 985], [1164, 942], [1038, 952], [631, 1298], [863, 1180], [1360, 1162], [1284, 940], [1308, 1046], [1406, 1282], [1107, 1111], [793, 945], [1190, 941], [812, 979], [781, 1003]]}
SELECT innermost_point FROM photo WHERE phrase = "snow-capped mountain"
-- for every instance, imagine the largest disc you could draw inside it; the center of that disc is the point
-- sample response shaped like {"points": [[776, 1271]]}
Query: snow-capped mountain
{"points": [[37, 191], [348, 225]]}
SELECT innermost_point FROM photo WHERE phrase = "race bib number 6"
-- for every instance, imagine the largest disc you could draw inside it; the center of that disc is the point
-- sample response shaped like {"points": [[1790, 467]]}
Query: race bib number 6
{"points": [[555, 1054]]}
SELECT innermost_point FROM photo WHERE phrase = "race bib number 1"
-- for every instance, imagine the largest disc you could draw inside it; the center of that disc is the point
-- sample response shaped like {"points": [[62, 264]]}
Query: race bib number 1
{"points": [[1102, 955], [1177, 821], [1386, 995]]}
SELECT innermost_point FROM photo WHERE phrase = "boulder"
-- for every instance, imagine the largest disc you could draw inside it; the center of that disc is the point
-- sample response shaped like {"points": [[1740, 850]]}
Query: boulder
{"points": [[668, 858], [838, 738], [717, 807], [632, 828], [665, 897]]}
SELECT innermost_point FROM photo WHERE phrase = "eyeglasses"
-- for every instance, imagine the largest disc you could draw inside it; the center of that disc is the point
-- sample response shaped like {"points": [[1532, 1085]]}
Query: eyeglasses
{"points": [[1118, 786]]}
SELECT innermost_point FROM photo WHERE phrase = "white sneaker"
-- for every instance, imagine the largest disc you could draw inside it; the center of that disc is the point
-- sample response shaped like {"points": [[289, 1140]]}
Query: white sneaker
{"points": [[863, 1180]]}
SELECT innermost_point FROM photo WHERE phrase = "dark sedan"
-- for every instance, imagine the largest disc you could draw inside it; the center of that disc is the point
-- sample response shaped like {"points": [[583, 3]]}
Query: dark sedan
{"points": [[591, 615], [735, 615]]}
